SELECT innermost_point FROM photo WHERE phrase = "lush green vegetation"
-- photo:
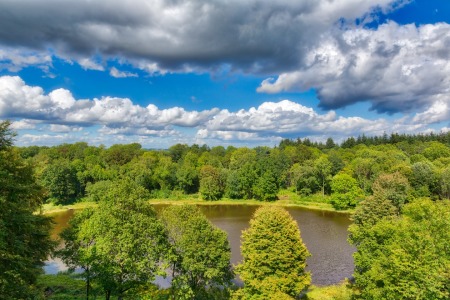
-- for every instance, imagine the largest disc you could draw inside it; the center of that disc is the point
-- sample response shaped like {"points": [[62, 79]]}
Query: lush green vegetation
{"points": [[274, 257], [340, 176], [199, 255], [398, 187], [24, 236]]}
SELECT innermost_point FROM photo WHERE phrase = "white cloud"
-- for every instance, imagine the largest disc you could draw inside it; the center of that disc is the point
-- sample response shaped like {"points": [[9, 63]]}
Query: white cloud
{"points": [[89, 64], [119, 119], [23, 124], [18, 100], [396, 68], [287, 118], [121, 74], [15, 59], [138, 132], [438, 111], [64, 128]]}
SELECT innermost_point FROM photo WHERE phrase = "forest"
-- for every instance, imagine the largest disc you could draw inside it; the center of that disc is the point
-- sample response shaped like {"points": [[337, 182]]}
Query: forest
{"points": [[396, 187]]}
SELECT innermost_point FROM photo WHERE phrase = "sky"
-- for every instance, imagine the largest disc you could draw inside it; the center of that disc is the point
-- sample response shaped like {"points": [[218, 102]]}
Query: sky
{"points": [[223, 72]]}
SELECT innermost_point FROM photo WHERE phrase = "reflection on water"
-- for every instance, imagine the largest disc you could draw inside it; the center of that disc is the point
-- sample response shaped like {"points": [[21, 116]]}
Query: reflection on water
{"points": [[324, 233]]}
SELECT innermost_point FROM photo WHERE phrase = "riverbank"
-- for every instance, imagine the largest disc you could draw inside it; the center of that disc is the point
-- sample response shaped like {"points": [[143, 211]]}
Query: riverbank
{"points": [[285, 199]]}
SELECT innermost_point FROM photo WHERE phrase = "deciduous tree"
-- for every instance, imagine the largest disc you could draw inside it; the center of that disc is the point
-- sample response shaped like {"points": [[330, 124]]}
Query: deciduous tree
{"points": [[201, 254], [24, 232], [122, 240], [406, 257], [346, 192]]}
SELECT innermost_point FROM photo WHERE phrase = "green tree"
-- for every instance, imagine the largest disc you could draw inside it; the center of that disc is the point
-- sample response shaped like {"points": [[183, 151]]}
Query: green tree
{"points": [[274, 256], [24, 232], [187, 173], [201, 254], [346, 192], [266, 188], [242, 174], [406, 257], [323, 167], [96, 191], [393, 187], [212, 183], [60, 179], [77, 250], [423, 179], [118, 155], [303, 178], [444, 183], [122, 240]]}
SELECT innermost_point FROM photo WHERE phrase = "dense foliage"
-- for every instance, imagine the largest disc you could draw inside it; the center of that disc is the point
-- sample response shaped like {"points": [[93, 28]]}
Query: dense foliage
{"points": [[200, 254], [24, 235], [120, 244], [274, 257], [341, 175], [405, 257]]}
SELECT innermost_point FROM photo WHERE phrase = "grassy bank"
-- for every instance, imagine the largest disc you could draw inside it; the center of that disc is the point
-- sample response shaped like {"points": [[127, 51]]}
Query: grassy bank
{"points": [[285, 198], [330, 292], [70, 286]]}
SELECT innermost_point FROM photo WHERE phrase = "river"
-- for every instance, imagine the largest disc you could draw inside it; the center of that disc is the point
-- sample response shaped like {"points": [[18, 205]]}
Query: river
{"points": [[324, 234]]}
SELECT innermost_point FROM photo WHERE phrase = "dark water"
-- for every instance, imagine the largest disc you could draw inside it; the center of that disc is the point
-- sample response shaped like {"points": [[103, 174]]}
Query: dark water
{"points": [[324, 234]]}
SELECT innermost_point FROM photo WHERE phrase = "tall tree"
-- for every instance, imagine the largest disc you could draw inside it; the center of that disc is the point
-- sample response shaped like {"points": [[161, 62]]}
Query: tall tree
{"points": [[322, 168], [346, 192], [24, 233], [274, 257], [60, 179], [122, 240], [201, 254], [212, 182]]}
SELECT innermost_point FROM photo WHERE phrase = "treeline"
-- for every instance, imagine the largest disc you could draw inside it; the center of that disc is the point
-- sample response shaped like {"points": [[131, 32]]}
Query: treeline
{"points": [[340, 175], [394, 138]]}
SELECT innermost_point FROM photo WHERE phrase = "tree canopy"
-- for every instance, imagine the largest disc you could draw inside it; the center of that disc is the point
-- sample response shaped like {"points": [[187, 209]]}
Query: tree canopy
{"points": [[200, 260], [407, 257], [24, 232], [121, 243], [274, 257]]}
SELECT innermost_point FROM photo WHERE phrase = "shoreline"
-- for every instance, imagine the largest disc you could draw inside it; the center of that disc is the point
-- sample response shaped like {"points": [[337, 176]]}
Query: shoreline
{"points": [[48, 208]]}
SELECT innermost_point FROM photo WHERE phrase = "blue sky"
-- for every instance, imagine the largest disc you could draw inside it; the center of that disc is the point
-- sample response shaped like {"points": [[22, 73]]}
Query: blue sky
{"points": [[242, 73]]}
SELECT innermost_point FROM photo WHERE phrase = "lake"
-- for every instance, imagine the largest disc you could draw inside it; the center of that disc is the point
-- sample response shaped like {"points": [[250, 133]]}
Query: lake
{"points": [[324, 234]]}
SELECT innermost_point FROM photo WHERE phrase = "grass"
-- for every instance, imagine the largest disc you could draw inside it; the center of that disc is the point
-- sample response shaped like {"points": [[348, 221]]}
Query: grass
{"points": [[287, 198], [62, 286], [68, 286], [330, 292], [52, 208]]}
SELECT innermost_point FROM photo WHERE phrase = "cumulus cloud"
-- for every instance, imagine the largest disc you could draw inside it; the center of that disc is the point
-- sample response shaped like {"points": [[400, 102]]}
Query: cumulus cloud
{"points": [[24, 124], [253, 35], [396, 68], [287, 118], [123, 121], [18, 100]]}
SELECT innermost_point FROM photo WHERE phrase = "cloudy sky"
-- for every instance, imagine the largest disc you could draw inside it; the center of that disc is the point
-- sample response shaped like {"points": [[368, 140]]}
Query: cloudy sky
{"points": [[223, 72]]}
